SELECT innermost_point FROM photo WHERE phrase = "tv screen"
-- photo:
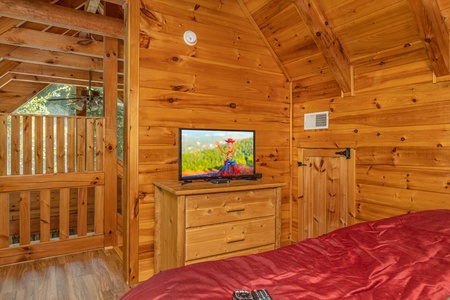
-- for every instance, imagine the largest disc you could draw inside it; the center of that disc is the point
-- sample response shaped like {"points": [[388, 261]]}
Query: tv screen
{"points": [[206, 154]]}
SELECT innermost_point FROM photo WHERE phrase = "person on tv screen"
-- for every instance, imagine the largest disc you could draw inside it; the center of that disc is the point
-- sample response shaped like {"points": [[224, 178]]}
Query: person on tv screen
{"points": [[229, 164]]}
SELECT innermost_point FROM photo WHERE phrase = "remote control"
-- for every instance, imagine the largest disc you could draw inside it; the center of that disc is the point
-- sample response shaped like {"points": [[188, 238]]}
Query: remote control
{"points": [[242, 295], [261, 295]]}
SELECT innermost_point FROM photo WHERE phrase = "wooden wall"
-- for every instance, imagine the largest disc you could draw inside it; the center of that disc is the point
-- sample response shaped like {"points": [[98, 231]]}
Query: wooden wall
{"points": [[228, 80], [398, 121]]}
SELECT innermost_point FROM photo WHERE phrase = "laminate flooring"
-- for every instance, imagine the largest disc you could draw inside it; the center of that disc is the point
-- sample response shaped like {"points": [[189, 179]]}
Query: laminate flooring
{"points": [[93, 275]]}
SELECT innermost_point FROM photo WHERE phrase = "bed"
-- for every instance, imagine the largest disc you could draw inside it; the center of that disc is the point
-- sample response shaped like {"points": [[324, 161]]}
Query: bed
{"points": [[403, 257]]}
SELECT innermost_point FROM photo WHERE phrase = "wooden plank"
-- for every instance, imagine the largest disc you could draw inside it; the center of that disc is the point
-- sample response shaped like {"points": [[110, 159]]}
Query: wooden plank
{"points": [[82, 211], [56, 59], [60, 145], [53, 248], [60, 16], [27, 145], [131, 153], [433, 32], [49, 145], [57, 72], [407, 177], [64, 211], [27, 78], [50, 42], [371, 211], [99, 144], [51, 181], [3, 145], [351, 179], [24, 203], [4, 220], [90, 145], [327, 41], [404, 156], [71, 150], [99, 209], [80, 145], [15, 145], [38, 144], [409, 200], [44, 208], [110, 154]]}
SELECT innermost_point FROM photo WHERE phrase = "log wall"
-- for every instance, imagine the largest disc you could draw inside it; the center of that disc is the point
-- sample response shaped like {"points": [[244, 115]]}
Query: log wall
{"points": [[398, 123], [228, 80]]}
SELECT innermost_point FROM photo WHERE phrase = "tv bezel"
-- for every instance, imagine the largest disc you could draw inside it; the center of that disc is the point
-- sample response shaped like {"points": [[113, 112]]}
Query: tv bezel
{"points": [[208, 178]]}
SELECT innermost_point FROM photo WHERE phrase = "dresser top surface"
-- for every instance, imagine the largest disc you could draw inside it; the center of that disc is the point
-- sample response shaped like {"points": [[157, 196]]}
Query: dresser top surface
{"points": [[204, 187]]}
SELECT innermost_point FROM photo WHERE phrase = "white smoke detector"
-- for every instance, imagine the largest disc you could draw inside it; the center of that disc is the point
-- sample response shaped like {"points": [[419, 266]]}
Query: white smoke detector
{"points": [[190, 38]]}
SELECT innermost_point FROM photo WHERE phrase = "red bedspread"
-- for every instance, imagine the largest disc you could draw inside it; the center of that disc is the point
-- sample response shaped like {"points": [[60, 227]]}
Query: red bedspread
{"points": [[405, 257]]}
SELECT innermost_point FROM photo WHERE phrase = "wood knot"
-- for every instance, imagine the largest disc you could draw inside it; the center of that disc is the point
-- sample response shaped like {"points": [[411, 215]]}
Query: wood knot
{"points": [[318, 33], [428, 40], [233, 105]]}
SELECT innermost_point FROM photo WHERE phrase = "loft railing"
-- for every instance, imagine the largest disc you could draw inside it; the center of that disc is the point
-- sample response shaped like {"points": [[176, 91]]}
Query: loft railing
{"points": [[51, 186], [34, 144]]}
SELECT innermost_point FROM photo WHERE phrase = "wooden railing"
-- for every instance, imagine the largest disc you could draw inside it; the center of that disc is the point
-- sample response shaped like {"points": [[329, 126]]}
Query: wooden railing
{"points": [[31, 144], [51, 186]]}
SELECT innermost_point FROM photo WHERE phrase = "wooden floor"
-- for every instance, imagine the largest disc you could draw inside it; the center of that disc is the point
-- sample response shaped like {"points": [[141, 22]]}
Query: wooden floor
{"points": [[90, 275]]}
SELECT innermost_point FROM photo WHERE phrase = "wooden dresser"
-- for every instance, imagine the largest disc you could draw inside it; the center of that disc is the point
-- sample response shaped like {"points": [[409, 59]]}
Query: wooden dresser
{"points": [[204, 221]]}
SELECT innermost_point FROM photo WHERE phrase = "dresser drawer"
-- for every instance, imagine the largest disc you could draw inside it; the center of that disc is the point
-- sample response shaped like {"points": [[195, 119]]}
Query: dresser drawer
{"points": [[256, 250], [229, 237], [232, 206]]}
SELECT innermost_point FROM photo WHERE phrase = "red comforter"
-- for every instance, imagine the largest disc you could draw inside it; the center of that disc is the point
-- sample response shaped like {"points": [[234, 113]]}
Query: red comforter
{"points": [[405, 257]]}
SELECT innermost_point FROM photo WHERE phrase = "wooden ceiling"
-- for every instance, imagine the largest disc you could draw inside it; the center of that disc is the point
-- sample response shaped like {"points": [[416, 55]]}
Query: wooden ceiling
{"points": [[54, 41], [320, 39], [331, 38]]}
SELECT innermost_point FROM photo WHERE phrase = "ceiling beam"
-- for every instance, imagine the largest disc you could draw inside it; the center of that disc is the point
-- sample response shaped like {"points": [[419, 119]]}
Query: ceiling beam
{"points": [[433, 33], [55, 15], [51, 80], [54, 42], [5, 79], [57, 72], [90, 6], [57, 59], [327, 42]]}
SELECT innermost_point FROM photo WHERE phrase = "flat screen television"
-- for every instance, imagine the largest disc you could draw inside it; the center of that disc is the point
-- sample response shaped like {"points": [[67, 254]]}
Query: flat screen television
{"points": [[206, 154]]}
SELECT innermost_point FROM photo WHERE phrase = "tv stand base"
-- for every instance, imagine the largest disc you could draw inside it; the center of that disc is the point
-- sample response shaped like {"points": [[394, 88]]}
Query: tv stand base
{"points": [[220, 180]]}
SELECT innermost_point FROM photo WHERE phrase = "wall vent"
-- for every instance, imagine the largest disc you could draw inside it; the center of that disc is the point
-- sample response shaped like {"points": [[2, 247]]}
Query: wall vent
{"points": [[317, 120]]}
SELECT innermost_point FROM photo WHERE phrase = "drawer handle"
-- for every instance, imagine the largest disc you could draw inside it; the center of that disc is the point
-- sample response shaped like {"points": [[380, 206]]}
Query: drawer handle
{"points": [[234, 239], [235, 208]]}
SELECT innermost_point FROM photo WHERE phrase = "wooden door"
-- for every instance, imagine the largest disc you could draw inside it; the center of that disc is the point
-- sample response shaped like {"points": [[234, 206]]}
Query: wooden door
{"points": [[326, 188]]}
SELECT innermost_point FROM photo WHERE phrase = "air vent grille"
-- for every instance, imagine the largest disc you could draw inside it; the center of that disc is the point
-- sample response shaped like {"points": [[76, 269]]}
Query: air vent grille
{"points": [[317, 120]]}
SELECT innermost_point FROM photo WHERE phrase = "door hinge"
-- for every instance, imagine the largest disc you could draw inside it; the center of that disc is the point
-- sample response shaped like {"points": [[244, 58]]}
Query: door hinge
{"points": [[346, 153], [300, 164]]}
